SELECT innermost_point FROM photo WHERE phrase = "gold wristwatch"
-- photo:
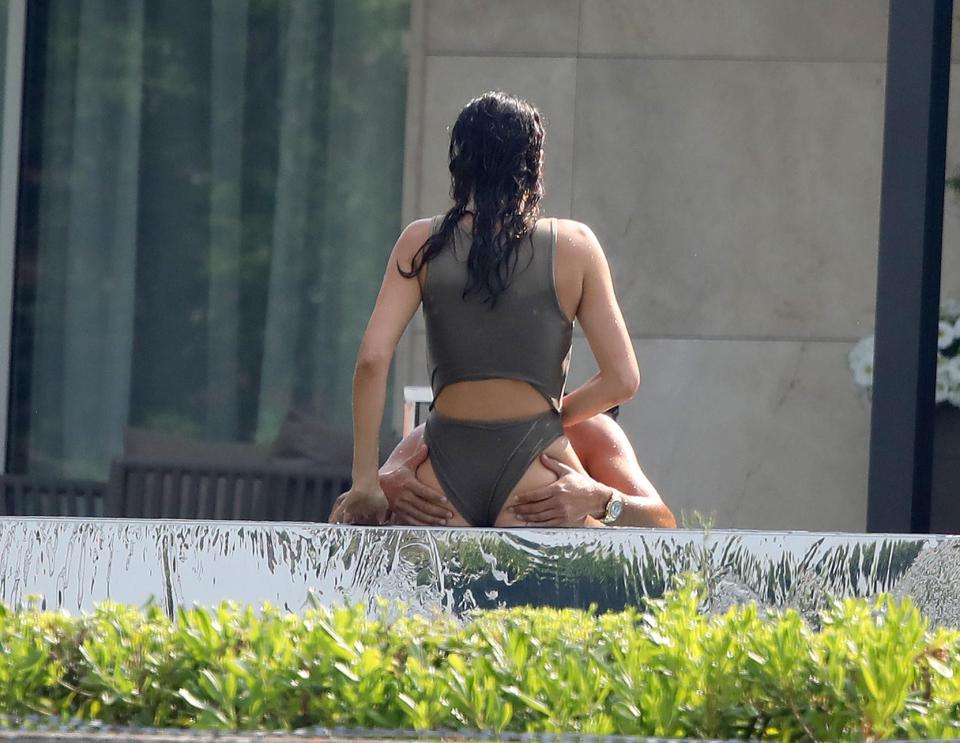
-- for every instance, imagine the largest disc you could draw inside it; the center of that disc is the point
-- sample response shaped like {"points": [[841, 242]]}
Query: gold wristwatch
{"points": [[614, 508]]}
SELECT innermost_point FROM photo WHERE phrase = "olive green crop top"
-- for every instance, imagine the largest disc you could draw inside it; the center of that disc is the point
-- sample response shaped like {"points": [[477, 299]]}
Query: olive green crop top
{"points": [[525, 336]]}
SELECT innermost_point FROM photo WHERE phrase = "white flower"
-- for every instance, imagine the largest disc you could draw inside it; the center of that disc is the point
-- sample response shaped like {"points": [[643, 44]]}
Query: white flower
{"points": [[943, 382], [953, 397], [946, 335], [949, 310], [951, 369], [860, 359], [948, 379], [861, 356], [863, 374], [862, 350]]}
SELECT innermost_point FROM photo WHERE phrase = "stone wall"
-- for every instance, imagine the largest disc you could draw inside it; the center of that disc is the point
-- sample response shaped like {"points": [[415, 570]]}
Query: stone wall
{"points": [[727, 155]]}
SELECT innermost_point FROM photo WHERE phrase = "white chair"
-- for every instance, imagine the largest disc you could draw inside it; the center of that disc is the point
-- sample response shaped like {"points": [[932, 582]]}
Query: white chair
{"points": [[416, 401]]}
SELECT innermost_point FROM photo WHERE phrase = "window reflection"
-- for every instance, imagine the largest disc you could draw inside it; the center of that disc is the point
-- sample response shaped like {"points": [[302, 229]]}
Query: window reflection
{"points": [[210, 192]]}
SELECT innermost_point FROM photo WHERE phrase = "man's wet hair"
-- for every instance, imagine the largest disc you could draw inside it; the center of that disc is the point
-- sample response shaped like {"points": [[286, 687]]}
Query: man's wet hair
{"points": [[613, 412]]}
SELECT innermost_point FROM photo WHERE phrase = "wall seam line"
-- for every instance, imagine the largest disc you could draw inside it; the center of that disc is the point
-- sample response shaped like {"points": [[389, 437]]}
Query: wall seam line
{"points": [[559, 54]]}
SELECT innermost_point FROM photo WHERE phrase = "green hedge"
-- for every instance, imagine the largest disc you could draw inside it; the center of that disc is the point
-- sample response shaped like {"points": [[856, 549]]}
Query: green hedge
{"points": [[873, 670]]}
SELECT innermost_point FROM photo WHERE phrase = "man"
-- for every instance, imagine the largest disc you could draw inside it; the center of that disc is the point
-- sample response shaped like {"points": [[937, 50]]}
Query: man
{"points": [[605, 452]]}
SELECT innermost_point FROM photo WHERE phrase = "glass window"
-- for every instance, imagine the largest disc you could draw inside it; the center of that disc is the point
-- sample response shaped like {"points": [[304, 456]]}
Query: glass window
{"points": [[211, 192]]}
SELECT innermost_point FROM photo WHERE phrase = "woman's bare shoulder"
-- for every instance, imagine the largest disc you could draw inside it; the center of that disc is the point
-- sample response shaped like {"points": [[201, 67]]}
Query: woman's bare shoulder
{"points": [[412, 237], [565, 224], [575, 240], [418, 229]]}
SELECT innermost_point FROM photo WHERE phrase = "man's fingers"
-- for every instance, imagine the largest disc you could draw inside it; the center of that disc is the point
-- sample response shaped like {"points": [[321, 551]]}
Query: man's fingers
{"points": [[545, 492], [407, 518], [418, 457], [424, 491], [531, 509], [552, 517], [555, 465], [423, 507]]}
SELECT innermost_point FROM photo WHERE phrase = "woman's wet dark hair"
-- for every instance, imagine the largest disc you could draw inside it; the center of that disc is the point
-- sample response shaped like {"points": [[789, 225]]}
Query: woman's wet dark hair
{"points": [[496, 156]]}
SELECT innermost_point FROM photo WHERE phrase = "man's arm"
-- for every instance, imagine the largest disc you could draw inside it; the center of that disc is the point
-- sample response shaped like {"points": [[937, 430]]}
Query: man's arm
{"points": [[407, 447], [609, 458]]}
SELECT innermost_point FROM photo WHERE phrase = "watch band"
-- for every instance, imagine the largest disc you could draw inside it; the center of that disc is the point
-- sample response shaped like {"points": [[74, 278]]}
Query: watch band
{"points": [[614, 507]]}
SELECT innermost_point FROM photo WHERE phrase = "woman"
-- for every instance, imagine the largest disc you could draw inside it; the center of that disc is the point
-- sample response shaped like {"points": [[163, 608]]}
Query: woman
{"points": [[501, 290]]}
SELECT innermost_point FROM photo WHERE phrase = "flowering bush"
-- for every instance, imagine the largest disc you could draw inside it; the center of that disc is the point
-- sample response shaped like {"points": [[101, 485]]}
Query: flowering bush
{"points": [[948, 356]]}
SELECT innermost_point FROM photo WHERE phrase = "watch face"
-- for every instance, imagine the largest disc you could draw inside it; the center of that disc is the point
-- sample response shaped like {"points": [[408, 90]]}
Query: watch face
{"points": [[616, 506]]}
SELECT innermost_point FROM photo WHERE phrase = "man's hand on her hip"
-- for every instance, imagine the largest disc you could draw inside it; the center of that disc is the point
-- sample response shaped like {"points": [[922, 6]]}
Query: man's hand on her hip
{"points": [[567, 501], [411, 501]]}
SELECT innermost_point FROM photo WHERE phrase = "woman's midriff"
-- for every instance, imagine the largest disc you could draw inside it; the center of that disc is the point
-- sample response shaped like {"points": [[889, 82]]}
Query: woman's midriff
{"points": [[499, 399], [490, 399]]}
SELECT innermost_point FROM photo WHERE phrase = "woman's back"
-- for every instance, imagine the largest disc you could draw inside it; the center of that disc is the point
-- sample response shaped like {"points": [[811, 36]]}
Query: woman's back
{"points": [[501, 361], [498, 375], [491, 421]]}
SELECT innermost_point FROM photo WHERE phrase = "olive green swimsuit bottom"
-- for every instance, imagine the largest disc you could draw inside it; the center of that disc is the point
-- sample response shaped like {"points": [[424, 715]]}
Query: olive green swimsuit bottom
{"points": [[500, 452]]}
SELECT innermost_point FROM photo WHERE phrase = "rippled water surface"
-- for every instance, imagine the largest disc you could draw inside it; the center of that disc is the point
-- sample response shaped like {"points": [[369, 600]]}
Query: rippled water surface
{"points": [[73, 563]]}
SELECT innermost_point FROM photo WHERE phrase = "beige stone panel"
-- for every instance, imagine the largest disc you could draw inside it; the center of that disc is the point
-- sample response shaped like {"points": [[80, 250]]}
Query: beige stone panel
{"points": [[791, 29], [417, 374], [763, 434], [502, 26], [733, 198], [410, 368], [950, 280], [548, 83], [955, 47]]}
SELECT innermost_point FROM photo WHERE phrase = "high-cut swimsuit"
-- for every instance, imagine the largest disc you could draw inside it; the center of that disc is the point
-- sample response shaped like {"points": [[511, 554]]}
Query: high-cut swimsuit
{"points": [[525, 336]]}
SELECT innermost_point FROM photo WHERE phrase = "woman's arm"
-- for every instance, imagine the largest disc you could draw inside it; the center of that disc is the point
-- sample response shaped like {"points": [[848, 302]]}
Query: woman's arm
{"points": [[397, 301], [599, 315]]}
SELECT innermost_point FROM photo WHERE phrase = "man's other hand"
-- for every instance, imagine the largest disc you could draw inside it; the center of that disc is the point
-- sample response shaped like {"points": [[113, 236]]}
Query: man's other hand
{"points": [[412, 502], [567, 501]]}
